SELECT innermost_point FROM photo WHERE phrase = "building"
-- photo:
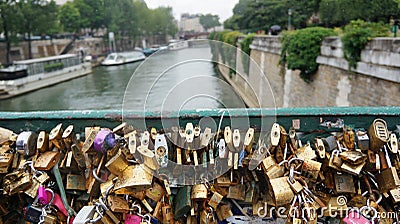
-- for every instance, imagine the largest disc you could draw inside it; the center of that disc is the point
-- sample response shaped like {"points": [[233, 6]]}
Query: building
{"points": [[190, 23]]}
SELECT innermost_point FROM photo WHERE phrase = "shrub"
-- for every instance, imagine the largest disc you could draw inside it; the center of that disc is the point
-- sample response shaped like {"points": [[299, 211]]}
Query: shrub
{"points": [[301, 48], [356, 35], [245, 46]]}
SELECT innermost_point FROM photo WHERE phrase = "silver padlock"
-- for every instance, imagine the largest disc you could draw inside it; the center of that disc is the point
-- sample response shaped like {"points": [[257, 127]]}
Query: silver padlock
{"points": [[85, 214]]}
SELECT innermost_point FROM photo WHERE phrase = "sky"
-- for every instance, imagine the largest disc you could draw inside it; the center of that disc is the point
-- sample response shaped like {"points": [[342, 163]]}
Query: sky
{"points": [[223, 8]]}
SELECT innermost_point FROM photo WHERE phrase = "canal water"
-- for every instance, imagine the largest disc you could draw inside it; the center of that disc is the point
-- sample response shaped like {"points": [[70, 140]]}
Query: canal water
{"points": [[168, 81]]}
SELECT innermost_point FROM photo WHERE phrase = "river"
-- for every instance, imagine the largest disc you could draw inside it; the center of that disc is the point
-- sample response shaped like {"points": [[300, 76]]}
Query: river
{"points": [[189, 82]]}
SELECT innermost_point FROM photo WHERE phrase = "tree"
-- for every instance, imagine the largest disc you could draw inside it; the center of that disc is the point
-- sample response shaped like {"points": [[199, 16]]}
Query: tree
{"points": [[39, 17], [341, 12], [92, 13], [69, 17], [10, 20], [250, 16], [209, 21]]}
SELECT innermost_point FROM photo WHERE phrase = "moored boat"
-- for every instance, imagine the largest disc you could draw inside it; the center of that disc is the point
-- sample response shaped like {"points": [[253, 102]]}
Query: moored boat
{"points": [[178, 44], [29, 75], [123, 58]]}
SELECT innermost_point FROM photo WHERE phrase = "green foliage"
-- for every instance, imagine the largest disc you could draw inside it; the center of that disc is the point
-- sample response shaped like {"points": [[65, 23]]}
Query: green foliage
{"points": [[225, 51], [53, 67], [245, 43], [301, 48], [341, 12], [209, 21], [251, 16], [69, 17], [245, 46], [356, 35]]}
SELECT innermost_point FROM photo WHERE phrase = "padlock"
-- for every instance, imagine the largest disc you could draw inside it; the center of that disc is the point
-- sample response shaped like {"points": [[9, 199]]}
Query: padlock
{"points": [[22, 182], [362, 139], [378, 134], [167, 212], [228, 138], [108, 216], [199, 192], [86, 213], [5, 135], [387, 179], [344, 183], [348, 138], [352, 169], [134, 218], [222, 150], [117, 164], [353, 157], [319, 145], [306, 152], [89, 140], [275, 134], [161, 150], [132, 142], [33, 213], [395, 194], [149, 159], [26, 143], [78, 156], [5, 161], [281, 192], [293, 139], [207, 217], [104, 140], [47, 160], [156, 192], [38, 179], [205, 139], [354, 217], [55, 137], [43, 142], [215, 199], [75, 182], [134, 177], [182, 202], [330, 142], [393, 144], [311, 169], [335, 161], [336, 205], [69, 137], [117, 204], [237, 191]]}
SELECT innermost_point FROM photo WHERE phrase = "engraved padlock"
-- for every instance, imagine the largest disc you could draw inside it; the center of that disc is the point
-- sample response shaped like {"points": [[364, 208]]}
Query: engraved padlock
{"points": [[378, 134]]}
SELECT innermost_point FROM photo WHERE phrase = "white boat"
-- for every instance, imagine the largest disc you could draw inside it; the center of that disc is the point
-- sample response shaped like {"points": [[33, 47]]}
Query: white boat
{"points": [[29, 75], [178, 44], [123, 58]]}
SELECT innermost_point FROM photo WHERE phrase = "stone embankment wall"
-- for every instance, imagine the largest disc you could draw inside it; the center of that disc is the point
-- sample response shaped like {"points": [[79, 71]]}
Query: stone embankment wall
{"points": [[45, 48], [375, 82]]}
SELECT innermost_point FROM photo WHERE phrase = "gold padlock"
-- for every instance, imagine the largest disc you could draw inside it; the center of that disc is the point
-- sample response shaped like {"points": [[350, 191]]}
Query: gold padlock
{"points": [[136, 178], [75, 182], [55, 137], [156, 192], [281, 193], [348, 138], [344, 183], [237, 191], [167, 213], [117, 164], [224, 212], [5, 135], [149, 159], [47, 160], [199, 192], [378, 134], [311, 169], [5, 161], [43, 142], [117, 204]]}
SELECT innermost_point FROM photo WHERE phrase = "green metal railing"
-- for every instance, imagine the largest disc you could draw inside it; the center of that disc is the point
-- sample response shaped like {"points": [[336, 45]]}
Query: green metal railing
{"points": [[308, 119]]}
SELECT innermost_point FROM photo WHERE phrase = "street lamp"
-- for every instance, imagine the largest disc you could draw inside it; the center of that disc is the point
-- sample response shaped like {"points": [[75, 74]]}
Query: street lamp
{"points": [[289, 20]]}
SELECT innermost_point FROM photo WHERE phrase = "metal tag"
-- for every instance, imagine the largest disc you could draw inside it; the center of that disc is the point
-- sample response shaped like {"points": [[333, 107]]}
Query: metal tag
{"points": [[161, 150]]}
